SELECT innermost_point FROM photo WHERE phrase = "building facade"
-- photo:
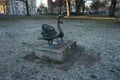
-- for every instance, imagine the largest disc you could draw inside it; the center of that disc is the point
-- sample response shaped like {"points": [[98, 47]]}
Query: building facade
{"points": [[17, 7]]}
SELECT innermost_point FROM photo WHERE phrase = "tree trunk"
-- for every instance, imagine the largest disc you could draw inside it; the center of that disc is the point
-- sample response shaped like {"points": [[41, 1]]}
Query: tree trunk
{"points": [[76, 2], [77, 7], [27, 8], [68, 7], [60, 6], [112, 8], [83, 6]]}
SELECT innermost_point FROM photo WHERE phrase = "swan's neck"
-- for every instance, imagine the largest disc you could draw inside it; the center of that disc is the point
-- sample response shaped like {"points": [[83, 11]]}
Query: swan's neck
{"points": [[58, 26]]}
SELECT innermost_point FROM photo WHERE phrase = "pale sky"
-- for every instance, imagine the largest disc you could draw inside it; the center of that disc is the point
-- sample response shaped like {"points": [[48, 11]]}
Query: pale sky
{"points": [[41, 1]]}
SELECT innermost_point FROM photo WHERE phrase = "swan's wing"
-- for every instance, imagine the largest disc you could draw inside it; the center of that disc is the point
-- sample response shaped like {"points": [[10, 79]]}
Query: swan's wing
{"points": [[48, 28], [48, 33]]}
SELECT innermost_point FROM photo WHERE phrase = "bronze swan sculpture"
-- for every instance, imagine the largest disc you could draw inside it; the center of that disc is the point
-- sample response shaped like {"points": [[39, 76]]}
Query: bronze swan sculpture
{"points": [[49, 33]]}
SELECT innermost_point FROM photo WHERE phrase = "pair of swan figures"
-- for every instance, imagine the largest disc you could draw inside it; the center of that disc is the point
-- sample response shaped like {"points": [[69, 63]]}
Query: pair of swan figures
{"points": [[49, 33]]}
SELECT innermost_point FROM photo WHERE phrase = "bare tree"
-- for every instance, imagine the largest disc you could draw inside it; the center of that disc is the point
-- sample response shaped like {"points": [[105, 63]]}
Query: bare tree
{"points": [[80, 5], [60, 6], [27, 6], [96, 5], [68, 7], [112, 8], [77, 6]]}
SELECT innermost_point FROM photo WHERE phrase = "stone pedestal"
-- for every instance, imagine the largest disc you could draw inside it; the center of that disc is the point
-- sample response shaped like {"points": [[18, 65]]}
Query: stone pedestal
{"points": [[59, 54]]}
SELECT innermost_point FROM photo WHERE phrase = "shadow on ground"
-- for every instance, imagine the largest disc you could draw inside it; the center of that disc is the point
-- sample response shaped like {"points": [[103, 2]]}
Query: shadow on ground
{"points": [[78, 54]]}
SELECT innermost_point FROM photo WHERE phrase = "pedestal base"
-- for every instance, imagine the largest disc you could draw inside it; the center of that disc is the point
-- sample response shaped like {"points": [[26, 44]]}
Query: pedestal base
{"points": [[59, 54]]}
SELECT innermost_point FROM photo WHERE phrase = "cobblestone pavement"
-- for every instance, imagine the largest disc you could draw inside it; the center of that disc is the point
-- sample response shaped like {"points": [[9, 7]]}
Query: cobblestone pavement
{"points": [[98, 55]]}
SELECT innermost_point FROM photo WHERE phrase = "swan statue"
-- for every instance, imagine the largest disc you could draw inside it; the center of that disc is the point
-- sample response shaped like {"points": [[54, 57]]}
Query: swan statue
{"points": [[49, 33]]}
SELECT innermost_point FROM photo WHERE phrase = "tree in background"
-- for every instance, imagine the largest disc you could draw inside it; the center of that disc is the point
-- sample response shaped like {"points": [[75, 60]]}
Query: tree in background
{"points": [[56, 6], [77, 6], [27, 6], [96, 5], [112, 8], [50, 7], [68, 7], [83, 6], [41, 9], [60, 6], [80, 6]]}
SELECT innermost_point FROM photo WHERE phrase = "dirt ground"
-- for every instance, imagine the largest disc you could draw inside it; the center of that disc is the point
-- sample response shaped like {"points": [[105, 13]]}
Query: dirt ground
{"points": [[97, 56]]}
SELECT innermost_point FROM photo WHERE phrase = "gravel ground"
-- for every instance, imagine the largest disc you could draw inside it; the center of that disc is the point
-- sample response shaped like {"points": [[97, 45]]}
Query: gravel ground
{"points": [[99, 50]]}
